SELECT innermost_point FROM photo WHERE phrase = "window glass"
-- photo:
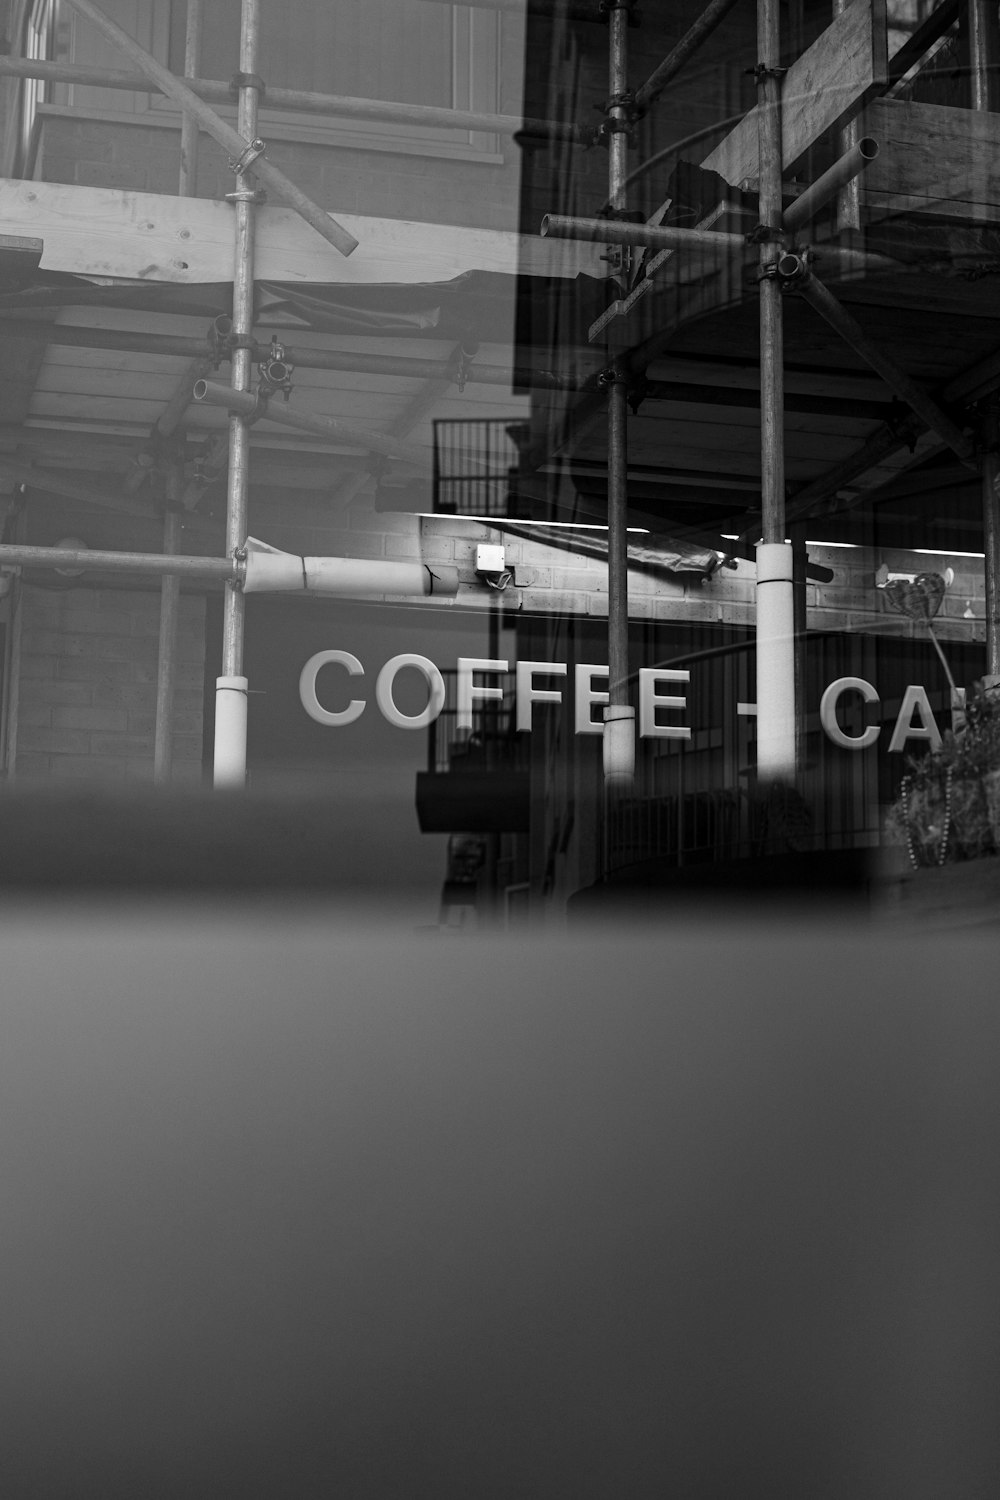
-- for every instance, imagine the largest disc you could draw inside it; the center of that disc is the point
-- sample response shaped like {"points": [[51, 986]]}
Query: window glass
{"points": [[379, 49]]}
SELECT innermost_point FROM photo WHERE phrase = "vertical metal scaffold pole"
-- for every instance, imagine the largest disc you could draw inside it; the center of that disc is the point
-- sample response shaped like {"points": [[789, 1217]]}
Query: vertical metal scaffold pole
{"points": [[775, 586], [982, 58], [231, 687], [619, 717], [170, 587]]}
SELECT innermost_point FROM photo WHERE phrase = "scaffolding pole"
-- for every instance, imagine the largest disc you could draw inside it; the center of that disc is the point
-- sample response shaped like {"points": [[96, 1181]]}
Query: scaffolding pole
{"points": [[306, 102], [78, 336], [166, 661], [231, 687], [822, 300], [240, 143], [87, 559], [243, 403], [165, 426], [696, 34], [983, 59], [188, 182], [53, 482], [776, 710], [991, 540], [619, 716]]}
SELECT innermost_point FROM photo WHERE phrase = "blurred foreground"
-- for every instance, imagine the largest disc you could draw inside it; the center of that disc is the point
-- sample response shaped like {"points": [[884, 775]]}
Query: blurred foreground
{"points": [[299, 1206]]}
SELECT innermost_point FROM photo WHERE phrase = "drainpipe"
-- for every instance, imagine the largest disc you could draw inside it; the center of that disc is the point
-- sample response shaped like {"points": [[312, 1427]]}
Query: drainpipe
{"points": [[775, 569], [231, 686]]}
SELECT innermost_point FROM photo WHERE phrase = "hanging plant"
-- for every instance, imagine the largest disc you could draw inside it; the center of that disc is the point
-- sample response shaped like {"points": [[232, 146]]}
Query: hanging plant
{"points": [[948, 806]]}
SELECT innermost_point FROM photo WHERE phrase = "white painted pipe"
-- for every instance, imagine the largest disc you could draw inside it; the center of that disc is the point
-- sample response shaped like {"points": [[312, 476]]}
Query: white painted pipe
{"points": [[775, 662], [230, 770], [269, 571], [619, 747]]}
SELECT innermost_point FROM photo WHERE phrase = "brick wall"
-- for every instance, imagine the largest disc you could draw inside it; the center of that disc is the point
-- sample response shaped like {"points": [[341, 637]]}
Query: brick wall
{"points": [[87, 699]]}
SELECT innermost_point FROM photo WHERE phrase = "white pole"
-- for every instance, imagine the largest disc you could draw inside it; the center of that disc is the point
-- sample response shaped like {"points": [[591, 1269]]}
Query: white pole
{"points": [[775, 662], [230, 768], [775, 589], [230, 688]]}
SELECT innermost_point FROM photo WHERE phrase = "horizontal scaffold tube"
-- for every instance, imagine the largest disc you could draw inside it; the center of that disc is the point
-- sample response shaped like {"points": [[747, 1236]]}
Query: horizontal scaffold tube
{"points": [[675, 237], [220, 130], [563, 10], [302, 101], [843, 171], [822, 300], [84, 559], [696, 34], [245, 404], [657, 237], [78, 336], [270, 571]]}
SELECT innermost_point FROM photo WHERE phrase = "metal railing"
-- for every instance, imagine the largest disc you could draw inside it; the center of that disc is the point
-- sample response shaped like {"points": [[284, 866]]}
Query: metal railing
{"points": [[491, 744], [475, 461]]}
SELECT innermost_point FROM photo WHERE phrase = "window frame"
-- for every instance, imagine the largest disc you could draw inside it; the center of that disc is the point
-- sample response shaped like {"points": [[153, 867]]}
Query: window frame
{"points": [[476, 85]]}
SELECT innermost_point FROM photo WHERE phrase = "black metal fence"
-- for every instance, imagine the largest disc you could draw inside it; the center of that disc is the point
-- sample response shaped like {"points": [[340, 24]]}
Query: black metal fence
{"points": [[475, 462]]}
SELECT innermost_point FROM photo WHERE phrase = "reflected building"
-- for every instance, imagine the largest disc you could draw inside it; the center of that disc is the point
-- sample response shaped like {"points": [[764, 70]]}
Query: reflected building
{"points": [[551, 445]]}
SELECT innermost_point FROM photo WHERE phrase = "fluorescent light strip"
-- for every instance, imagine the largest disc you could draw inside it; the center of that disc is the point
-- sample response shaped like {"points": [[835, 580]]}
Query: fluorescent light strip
{"points": [[859, 547], [433, 515]]}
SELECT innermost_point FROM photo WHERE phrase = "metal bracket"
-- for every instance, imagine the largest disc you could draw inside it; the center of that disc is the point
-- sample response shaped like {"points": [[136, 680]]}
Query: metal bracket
{"points": [[247, 157], [761, 70], [602, 133], [260, 404], [275, 371], [462, 368], [247, 81], [605, 8], [763, 234], [625, 100], [247, 195], [610, 376]]}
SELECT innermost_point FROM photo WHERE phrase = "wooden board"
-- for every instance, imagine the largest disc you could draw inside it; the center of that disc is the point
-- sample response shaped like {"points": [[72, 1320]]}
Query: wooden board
{"points": [[745, 377], [934, 159], [828, 85], [151, 237]]}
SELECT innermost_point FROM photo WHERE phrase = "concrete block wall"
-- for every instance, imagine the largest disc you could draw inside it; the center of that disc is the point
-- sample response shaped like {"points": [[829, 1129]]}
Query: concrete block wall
{"points": [[87, 685]]}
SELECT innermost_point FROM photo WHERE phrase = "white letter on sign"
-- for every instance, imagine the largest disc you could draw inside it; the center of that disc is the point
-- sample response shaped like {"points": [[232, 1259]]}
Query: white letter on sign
{"points": [[585, 696], [307, 688], [915, 699], [828, 713], [467, 690], [527, 693], [383, 692], [650, 700]]}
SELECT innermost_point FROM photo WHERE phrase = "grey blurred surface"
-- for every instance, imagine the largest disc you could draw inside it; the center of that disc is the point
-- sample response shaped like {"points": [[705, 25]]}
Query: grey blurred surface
{"points": [[296, 1206]]}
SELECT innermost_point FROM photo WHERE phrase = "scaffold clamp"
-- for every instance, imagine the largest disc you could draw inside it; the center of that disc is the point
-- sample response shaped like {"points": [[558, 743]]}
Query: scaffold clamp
{"points": [[247, 81], [247, 157], [605, 8], [763, 70]]}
